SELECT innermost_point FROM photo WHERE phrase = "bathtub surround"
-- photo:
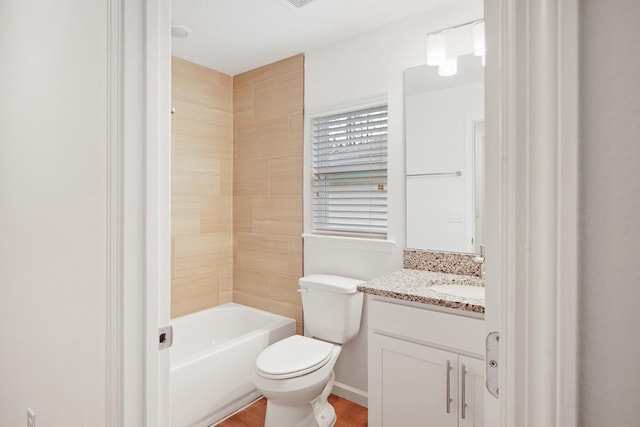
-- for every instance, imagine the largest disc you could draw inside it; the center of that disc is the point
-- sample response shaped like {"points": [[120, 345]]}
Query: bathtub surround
{"points": [[267, 187], [443, 262], [201, 188], [237, 187]]}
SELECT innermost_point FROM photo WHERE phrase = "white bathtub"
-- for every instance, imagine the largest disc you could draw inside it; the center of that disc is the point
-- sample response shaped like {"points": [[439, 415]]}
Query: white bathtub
{"points": [[213, 360]]}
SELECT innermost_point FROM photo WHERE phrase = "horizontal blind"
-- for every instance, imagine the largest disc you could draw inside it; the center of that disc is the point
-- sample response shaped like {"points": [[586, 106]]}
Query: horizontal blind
{"points": [[350, 173]]}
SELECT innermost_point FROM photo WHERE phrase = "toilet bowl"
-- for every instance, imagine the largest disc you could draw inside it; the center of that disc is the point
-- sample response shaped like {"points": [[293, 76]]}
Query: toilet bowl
{"points": [[296, 376]]}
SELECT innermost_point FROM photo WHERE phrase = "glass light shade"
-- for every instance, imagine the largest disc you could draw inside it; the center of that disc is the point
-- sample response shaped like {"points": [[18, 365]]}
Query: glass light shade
{"points": [[436, 49], [449, 67], [479, 47]]}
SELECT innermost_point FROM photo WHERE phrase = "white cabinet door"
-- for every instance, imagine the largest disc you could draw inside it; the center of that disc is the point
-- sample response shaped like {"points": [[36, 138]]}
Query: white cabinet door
{"points": [[411, 384], [471, 374]]}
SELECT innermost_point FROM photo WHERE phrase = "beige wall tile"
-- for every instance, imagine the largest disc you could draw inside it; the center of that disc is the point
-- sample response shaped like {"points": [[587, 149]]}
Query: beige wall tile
{"points": [[252, 77], [185, 216], [242, 105], [195, 176], [216, 214], [296, 134], [173, 258], [286, 166], [202, 191], [226, 285], [262, 139], [200, 253], [279, 96], [267, 253], [278, 215], [250, 177], [292, 64], [237, 187], [284, 289], [268, 145], [295, 264], [243, 213], [251, 282], [244, 298], [194, 293]]}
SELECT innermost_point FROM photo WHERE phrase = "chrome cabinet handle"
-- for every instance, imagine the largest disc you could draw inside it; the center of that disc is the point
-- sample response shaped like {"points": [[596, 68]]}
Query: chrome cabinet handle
{"points": [[463, 399], [448, 387]]}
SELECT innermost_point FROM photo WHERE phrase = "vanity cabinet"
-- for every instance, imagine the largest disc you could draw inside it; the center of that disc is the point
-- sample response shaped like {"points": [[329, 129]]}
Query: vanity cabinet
{"points": [[425, 367]]}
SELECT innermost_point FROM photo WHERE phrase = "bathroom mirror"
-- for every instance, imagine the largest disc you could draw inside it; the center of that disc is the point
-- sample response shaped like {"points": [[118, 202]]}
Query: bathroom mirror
{"points": [[444, 131]]}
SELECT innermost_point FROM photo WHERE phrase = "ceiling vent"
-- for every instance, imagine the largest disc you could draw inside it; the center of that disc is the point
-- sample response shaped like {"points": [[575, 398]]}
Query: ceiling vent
{"points": [[295, 3]]}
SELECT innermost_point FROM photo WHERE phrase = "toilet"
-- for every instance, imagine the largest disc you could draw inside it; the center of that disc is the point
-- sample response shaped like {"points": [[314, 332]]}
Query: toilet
{"points": [[296, 374]]}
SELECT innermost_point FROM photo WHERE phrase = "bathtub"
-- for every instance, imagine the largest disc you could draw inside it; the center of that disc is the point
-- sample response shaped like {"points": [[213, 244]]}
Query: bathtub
{"points": [[213, 359]]}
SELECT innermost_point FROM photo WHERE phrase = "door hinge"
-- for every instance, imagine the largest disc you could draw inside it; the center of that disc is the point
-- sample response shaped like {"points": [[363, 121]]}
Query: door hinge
{"points": [[165, 337], [492, 360]]}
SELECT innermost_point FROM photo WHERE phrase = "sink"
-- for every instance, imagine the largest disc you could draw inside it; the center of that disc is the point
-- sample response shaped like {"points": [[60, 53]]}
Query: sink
{"points": [[464, 291]]}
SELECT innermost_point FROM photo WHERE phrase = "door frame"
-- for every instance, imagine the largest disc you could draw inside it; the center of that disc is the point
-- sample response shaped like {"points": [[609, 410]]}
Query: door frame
{"points": [[138, 224], [532, 115], [532, 140]]}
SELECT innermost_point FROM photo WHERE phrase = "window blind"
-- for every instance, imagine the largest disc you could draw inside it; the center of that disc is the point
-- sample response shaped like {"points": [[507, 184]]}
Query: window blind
{"points": [[350, 173]]}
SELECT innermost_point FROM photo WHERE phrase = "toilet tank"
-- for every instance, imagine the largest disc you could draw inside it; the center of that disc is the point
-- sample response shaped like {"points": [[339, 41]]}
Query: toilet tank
{"points": [[332, 307]]}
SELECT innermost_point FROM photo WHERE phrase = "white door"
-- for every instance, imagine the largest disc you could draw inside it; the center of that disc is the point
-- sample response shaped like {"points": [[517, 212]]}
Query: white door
{"points": [[494, 186], [158, 205], [531, 82]]}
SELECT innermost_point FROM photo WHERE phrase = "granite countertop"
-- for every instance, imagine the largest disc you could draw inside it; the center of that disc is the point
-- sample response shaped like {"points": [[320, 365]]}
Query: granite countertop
{"points": [[414, 285]]}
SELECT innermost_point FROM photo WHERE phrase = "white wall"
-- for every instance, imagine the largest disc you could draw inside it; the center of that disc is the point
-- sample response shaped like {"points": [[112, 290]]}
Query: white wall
{"points": [[365, 67], [609, 371], [53, 116]]}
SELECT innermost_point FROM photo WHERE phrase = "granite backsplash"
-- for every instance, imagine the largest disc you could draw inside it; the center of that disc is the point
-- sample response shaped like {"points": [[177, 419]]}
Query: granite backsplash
{"points": [[442, 262]]}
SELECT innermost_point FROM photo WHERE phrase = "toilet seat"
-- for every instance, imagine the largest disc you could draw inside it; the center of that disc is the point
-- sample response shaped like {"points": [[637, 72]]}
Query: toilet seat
{"points": [[293, 357]]}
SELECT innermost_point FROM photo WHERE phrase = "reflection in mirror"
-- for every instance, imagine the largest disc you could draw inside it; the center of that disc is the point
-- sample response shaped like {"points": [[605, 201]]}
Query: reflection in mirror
{"points": [[444, 130]]}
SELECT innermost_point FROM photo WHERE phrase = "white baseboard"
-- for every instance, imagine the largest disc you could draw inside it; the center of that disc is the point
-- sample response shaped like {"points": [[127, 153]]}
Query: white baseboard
{"points": [[351, 393]]}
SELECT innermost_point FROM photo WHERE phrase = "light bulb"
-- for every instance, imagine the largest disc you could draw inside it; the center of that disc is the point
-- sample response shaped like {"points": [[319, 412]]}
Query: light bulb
{"points": [[449, 67], [479, 47], [436, 49]]}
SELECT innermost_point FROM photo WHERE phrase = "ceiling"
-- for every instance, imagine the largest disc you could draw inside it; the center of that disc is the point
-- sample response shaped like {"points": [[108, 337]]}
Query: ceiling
{"points": [[234, 36]]}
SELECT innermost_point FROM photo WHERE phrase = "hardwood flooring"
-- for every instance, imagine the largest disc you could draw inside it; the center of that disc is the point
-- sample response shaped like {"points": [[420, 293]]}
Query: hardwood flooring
{"points": [[349, 414]]}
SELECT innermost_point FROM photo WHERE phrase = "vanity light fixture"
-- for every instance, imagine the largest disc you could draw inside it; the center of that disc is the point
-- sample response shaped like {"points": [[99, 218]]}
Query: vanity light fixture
{"points": [[449, 67], [479, 48], [479, 44], [436, 48], [444, 46]]}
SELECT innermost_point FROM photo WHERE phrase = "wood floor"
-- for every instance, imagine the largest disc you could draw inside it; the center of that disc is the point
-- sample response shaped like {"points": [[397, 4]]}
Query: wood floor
{"points": [[349, 414]]}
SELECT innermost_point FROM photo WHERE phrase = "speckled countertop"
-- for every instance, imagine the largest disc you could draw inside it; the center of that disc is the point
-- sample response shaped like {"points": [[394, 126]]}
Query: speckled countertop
{"points": [[414, 285]]}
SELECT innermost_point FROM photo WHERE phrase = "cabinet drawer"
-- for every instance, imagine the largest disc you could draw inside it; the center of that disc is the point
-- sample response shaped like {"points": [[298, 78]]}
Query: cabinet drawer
{"points": [[463, 334]]}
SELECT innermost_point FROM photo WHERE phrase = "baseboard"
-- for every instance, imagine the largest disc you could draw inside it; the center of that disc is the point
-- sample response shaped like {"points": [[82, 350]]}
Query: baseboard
{"points": [[351, 393]]}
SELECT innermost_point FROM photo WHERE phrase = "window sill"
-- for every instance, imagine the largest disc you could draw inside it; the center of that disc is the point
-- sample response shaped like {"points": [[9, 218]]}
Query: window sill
{"points": [[351, 243]]}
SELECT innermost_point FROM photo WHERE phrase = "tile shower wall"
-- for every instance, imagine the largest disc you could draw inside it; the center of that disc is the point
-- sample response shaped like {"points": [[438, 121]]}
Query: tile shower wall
{"points": [[267, 187], [202, 190]]}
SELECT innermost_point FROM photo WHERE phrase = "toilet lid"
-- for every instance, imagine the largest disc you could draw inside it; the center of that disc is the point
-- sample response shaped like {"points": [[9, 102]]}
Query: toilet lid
{"points": [[293, 356]]}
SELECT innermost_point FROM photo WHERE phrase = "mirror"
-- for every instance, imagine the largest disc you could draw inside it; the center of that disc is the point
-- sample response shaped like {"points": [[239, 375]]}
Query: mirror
{"points": [[444, 131]]}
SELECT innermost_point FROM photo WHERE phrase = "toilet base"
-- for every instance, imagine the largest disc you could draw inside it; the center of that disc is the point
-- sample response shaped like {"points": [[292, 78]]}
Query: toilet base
{"points": [[279, 415]]}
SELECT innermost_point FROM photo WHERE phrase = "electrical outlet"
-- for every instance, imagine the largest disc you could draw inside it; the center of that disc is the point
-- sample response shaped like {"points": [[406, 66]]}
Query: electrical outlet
{"points": [[31, 418]]}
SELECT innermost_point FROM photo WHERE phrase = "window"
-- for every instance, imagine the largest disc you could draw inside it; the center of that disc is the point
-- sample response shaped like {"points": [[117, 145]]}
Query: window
{"points": [[350, 173]]}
